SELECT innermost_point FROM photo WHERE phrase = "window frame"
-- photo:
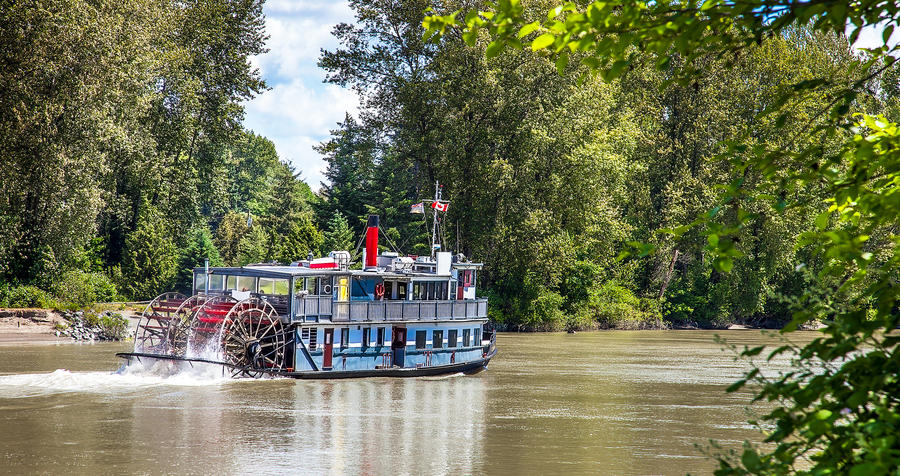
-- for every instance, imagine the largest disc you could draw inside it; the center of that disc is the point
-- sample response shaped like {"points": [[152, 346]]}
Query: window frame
{"points": [[345, 338], [421, 339], [437, 339]]}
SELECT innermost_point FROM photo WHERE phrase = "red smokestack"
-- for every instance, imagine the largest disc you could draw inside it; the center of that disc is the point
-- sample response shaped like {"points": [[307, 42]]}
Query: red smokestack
{"points": [[372, 242]]}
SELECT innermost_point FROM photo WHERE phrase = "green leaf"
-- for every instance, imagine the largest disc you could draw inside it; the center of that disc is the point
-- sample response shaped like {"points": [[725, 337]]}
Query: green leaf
{"points": [[736, 386], [713, 240], [528, 29], [493, 49], [753, 351], [709, 4], [542, 41], [561, 62], [723, 263], [751, 460], [822, 220]]}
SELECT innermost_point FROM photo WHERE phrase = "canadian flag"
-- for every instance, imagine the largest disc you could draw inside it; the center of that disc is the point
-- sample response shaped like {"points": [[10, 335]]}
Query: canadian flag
{"points": [[441, 207]]}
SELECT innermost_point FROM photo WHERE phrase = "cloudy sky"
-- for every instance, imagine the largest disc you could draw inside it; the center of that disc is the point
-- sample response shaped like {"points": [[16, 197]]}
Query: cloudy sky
{"points": [[299, 110]]}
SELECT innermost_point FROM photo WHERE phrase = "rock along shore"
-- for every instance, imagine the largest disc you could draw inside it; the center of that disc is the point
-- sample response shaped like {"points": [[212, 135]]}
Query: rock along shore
{"points": [[44, 325]]}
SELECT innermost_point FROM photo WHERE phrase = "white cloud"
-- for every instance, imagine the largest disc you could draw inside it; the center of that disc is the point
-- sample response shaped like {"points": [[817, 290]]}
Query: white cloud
{"points": [[296, 117], [299, 110]]}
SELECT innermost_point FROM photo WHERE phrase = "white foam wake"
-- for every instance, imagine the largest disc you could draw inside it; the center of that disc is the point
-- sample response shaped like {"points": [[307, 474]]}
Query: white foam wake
{"points": [[128, 379]]}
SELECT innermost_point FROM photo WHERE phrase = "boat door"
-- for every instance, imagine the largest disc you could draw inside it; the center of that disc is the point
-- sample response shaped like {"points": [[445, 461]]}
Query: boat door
{"points": [[328, 348], [398, 345]]}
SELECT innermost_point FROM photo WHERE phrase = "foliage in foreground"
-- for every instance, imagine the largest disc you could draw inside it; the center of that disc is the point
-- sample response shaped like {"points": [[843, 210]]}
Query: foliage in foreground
{"points": [[838, 410]]}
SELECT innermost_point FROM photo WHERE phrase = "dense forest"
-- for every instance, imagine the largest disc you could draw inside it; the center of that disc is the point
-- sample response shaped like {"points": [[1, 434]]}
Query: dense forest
{"points": [[125, 163]]}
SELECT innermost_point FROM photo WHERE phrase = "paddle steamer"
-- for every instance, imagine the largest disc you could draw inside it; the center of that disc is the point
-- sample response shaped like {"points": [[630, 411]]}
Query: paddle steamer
{"points": [[397, 316]]}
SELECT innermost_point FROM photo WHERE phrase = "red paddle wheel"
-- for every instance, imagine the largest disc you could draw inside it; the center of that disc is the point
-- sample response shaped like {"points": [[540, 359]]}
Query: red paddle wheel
{"points": [[153, 333], [206, 325]]}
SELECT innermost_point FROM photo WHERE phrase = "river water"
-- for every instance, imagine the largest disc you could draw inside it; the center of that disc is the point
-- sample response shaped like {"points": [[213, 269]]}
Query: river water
{"points": [[590, 403]]}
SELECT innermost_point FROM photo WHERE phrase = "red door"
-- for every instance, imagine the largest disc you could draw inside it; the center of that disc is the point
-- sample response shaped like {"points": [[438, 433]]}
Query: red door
{"points": [[328, 349]]}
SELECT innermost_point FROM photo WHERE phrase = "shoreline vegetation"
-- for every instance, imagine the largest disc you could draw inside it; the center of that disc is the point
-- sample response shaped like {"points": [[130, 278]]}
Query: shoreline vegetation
{"points": [[109, 321], [552, 181]]}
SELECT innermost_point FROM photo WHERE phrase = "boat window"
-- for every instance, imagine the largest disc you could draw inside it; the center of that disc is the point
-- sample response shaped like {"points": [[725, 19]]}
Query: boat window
{"points": [[437, 339], [442, 293], [477, 336], [389, 290], [312, 286], [380, 337], [266, 286], [231, 282], [217, 282], [345, 337], [273, 286], [420, 339], [246, 283], [451, 337], [467, 334], [199, 283], [281, 287], [362, 288], [401, 291], [367, 334]]}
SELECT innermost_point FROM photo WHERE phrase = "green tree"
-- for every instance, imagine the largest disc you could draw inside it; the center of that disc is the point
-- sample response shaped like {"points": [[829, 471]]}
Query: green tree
{"points": [[68, 86], [839, 410], [253, 246], [149, 261], [338, 235], [233, 227], [199, 248], [302, 238]]}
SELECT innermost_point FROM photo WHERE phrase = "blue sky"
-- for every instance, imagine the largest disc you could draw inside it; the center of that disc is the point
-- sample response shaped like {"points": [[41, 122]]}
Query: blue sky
{"points": [[299, 110]]}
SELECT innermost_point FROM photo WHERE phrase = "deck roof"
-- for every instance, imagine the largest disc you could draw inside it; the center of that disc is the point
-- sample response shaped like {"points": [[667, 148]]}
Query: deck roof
{"points": [[281, 271]]}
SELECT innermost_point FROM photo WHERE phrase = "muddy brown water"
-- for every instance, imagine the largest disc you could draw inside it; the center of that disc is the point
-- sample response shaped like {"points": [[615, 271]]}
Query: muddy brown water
{"points": [[590, 403]]}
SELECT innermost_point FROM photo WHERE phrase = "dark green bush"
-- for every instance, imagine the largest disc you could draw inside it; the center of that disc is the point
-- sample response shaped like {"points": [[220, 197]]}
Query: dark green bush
{"points": [[26, 296], [615, 306], [82, 288]]}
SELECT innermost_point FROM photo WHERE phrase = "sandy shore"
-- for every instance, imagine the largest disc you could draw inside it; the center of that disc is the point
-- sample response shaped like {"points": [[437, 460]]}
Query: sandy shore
{"points": [[36, 326], [30, 326]]}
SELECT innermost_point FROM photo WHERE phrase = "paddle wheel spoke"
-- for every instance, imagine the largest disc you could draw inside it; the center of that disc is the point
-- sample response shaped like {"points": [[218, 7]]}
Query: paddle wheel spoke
{"points": [[254, 339]]}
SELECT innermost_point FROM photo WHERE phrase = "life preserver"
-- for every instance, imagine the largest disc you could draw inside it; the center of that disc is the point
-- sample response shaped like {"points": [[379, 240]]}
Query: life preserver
{"points": [[379, 291]]}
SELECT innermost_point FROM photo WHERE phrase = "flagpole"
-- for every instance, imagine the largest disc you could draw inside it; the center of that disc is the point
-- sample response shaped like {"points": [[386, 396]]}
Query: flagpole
{"points": [[437, 199]]}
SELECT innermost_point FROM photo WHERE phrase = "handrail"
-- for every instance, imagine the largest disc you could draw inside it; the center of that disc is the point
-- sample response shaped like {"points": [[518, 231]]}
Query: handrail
{"points": [[390, 310]]}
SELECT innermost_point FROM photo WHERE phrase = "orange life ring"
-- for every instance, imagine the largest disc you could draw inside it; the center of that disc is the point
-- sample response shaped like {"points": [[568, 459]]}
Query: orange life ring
{"points": [[379, 291]]}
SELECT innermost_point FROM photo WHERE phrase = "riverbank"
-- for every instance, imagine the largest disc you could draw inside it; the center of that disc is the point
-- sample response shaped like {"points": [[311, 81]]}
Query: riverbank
{"points": [[45, 326], [659, 326], [30, 326]]}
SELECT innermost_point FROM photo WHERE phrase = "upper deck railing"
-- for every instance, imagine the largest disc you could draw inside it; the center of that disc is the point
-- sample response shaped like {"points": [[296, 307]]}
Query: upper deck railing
{"points": [[325, 308], [361, 311]]}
